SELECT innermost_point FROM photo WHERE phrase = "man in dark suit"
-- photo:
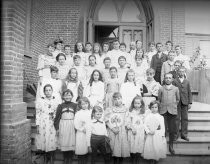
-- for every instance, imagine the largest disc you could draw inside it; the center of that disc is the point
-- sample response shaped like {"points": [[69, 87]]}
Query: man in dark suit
{"points": [[184, 104], [157, 62]]}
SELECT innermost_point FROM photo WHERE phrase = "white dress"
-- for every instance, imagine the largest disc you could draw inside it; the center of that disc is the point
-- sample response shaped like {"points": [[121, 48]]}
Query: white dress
{"points": [[140, 73], [44, 63], [136, 122], [116, 117], [69, 60], [105, 74], [63, 71], [46, 139], [155, 145], [81, 122], [56, 85], [121, 74], [153, 88], [95, 93], [99, 60], [128, 91], [74, 88], [82, 74]]}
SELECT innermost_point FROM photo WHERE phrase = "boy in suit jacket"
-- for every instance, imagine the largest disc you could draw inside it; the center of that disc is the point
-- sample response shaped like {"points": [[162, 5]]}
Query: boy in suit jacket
{"points": [[184, 104], [168, 96]]}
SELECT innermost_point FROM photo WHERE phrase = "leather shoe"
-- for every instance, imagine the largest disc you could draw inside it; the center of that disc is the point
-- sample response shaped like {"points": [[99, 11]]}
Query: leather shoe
{"points": [[171, 150], [185, 138]]}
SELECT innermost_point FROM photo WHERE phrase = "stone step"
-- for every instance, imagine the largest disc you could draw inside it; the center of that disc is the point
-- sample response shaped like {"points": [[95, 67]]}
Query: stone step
{"points": [[198, 144], [199, 121], [199, 107], [198, 114], [199, 131]]}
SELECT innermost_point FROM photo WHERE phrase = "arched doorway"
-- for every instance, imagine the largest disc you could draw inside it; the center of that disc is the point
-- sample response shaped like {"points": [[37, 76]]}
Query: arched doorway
{"points": [[126, 20]]}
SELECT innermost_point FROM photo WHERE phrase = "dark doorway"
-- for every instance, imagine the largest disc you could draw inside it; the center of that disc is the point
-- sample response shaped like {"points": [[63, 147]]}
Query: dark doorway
{"points": [[106, 34]]}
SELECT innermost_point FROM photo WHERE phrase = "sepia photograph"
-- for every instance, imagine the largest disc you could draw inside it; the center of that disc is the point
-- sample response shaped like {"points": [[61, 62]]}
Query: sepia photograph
{"points": [[105, 82]]}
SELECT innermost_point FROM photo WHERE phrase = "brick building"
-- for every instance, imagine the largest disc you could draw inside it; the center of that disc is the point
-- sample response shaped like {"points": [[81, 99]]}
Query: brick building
{"points": [[29, 25]]}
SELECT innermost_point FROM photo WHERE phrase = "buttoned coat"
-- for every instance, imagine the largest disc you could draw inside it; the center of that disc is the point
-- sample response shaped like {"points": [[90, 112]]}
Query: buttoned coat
{"points": [[169, 99], [184, 91]]}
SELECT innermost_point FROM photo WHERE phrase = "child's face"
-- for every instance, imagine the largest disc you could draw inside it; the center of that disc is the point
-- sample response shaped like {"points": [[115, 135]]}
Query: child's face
{"points": [[96, 48], [139, 45], [59, 46], [92, 61], [88, 47], [159, 47], [176, 66], [95, 76], [168, 79], [51, 49], [98, 115], [132, 45], [137, 103], [73, 73], [122, 62], [139, 53], [67, 97], [154, 108], [54, 74], [122, 48], [116, 45], [107, 63], [106, 48], [131, 76], [67, 50], [181, 72], [171, 56], [77, 61], [150, 76], [79, 47], [152, 47], [48, 92], [84, 105], [178, 50], [118, 101], [168, 46], [61, 60], [138, 61], [113, 73]]}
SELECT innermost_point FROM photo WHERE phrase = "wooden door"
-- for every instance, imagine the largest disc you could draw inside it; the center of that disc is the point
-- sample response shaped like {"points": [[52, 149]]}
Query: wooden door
{"points": [[132, 33]]}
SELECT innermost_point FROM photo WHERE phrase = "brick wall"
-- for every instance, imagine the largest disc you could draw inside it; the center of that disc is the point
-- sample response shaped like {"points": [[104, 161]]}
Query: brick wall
{"points": [[165, 22], [15, 134], [37, 41], [62, 19], [178, 23]]}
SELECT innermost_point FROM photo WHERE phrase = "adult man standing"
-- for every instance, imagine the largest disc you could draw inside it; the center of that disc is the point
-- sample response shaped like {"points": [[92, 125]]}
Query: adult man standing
{"points": [[157, 61]]}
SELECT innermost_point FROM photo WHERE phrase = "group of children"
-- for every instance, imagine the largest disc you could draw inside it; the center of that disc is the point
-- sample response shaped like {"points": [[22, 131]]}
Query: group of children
{"points": [[107, 100]]}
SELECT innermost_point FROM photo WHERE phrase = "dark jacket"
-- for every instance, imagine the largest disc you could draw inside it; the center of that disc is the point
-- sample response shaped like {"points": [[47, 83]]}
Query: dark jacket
{"points": [[155, 61], [70, 107], [184, 91]]}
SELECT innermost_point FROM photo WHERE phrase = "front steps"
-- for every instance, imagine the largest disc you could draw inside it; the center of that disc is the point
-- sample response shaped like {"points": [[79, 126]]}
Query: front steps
{"points": [[196, 151]]}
